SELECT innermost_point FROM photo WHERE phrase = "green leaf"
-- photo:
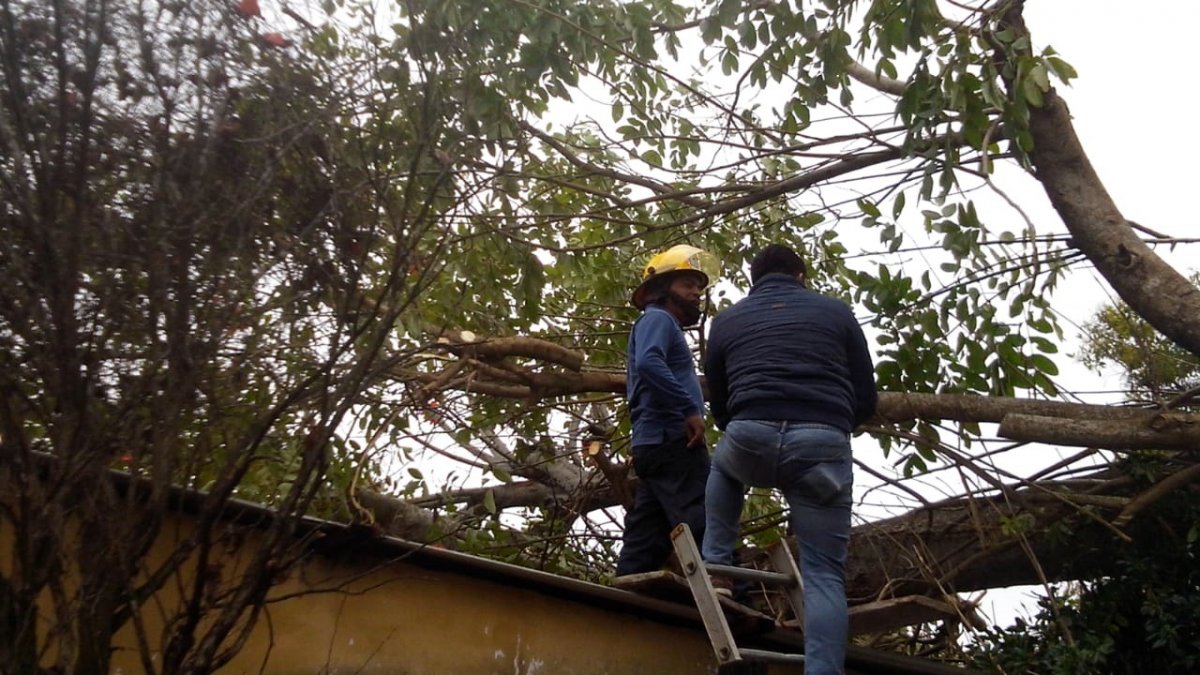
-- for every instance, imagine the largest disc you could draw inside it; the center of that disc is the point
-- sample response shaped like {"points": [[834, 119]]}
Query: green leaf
{"points": [[728, 11], [1040, 77], [1044, 364], [629, 131], [729, 63], [898, 205], [913, 465], [1061, 69], [1044, 345], [533, 279], [1032, 92], [748, 36], [1041, 325], [489, 501], [887, 68]]}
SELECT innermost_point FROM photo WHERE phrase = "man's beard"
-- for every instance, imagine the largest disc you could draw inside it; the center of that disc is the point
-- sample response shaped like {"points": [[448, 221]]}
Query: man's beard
{"points": [[690, 313]]}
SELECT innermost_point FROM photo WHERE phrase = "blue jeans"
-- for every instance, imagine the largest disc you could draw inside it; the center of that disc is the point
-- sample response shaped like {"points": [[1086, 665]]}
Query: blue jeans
{"points": [[811, 465]]}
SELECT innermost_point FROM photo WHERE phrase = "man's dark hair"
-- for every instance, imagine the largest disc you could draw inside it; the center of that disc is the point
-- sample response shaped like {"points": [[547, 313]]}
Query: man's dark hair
{"points": [[777, 258]]}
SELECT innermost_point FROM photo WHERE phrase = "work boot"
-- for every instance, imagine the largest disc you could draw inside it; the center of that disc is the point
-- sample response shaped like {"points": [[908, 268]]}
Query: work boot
{"points": [[722, 585]]}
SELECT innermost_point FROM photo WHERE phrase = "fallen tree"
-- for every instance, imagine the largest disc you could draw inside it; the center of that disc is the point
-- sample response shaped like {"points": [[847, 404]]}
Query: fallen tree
{"points": [[285, 259]]}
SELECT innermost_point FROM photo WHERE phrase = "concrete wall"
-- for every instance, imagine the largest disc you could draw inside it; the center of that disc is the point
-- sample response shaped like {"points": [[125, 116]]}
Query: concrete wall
{"points": [[392, 609], [409, 619]]}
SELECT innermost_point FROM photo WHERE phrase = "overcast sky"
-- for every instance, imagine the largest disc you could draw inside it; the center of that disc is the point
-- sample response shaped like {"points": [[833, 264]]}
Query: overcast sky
{"points": [[1134, 101]]}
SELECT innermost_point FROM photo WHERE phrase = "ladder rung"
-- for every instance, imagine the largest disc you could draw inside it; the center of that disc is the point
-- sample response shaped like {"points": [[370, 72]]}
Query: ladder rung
{"points": [[709, 605], [745, 574], [769, 657]]}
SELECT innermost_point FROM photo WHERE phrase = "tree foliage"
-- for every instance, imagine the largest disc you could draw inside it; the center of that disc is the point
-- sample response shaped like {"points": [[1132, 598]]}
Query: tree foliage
{"points": [[205, 255], [1153, 365], [1141, 618], [373, 261]]}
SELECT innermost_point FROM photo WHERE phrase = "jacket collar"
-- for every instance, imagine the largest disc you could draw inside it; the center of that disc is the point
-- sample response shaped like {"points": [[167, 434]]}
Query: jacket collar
{"points": [[776, 280]]}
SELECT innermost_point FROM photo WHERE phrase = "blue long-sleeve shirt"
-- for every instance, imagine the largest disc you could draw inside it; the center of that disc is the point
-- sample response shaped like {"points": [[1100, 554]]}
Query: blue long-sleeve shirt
{"points": [[787, 353], [661, 382]]}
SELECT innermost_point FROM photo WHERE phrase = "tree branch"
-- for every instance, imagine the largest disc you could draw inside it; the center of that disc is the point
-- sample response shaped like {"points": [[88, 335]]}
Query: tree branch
{"points": [[1160, 490], [1151, 432], [1154, 289]]}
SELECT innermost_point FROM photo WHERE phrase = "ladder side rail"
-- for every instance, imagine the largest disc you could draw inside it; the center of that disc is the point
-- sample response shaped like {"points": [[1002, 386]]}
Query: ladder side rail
{"points": [[706, 598], [782, 559]]}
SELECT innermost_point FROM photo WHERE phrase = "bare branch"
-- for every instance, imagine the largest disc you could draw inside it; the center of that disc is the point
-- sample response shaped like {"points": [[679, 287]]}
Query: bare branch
{"points": [[1161, 489]]}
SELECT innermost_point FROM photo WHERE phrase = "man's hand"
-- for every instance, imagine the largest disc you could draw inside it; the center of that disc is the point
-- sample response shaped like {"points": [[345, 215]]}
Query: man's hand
{"points": [[695, 430]]}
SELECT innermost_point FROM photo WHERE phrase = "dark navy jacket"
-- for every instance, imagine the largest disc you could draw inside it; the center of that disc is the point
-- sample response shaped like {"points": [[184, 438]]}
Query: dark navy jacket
{"points": [[661, 382], [787, 353]]}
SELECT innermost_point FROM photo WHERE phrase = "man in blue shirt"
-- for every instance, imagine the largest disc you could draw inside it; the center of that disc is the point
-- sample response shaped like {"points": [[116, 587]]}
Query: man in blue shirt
{"points": [[666, 407], [789, 377]]}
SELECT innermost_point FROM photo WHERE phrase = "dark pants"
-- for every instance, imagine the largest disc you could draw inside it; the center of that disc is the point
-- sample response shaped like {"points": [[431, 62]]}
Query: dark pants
{"points": [[671, 480]]}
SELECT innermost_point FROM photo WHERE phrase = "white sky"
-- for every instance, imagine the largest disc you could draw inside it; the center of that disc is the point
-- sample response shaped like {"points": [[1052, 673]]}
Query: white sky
{"points": [[1134, 99], [1133, 103]]}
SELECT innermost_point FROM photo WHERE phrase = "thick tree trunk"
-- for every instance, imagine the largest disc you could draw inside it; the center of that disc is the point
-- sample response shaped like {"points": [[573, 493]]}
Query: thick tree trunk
{"points": [[973, 544], [1155, 290], [960, 545]]}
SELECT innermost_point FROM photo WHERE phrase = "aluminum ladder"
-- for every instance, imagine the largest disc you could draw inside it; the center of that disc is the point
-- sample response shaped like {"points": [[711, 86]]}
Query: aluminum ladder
{"points": [[784, 575]]}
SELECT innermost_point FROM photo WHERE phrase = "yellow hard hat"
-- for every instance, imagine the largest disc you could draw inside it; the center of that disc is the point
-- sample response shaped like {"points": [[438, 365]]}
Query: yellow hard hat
{"points": [[681, 258]]}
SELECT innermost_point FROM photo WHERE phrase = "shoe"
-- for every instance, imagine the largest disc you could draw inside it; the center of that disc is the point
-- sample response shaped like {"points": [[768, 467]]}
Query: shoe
{"points": [[722, 585]]}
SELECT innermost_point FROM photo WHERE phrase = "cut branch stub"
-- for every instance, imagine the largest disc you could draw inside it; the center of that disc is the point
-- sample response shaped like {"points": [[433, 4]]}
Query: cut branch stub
{"points": [[465, 343]]}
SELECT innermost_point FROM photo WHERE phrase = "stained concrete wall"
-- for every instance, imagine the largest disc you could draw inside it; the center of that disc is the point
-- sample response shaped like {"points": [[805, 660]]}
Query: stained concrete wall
{"points": [[409, 619], [398, 608]]}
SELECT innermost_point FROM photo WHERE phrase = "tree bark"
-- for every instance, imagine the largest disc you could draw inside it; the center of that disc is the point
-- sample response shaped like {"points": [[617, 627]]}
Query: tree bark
{"points": [[1155, 290], [1026, 537], [1059, 423], [958, 546], [1168, 431]]}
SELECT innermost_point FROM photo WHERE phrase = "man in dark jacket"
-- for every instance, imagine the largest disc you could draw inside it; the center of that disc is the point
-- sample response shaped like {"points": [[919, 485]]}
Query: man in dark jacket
{"points": [[666, 407], [789, 377]]}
